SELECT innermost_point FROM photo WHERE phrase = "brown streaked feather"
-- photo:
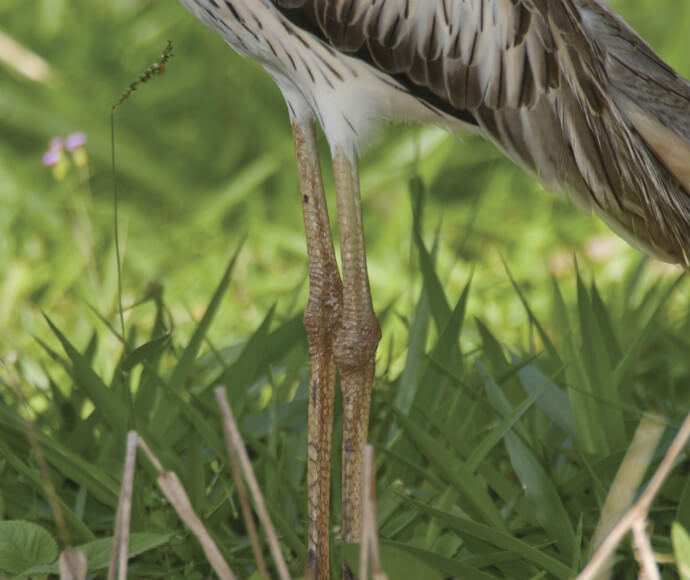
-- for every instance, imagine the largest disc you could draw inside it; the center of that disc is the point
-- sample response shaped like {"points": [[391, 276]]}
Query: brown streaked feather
{"points": [[564, 87]]}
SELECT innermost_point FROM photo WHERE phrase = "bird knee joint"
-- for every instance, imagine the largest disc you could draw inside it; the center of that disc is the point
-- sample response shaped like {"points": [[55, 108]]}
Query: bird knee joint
{"points": [[355, 343], [321, 317]]}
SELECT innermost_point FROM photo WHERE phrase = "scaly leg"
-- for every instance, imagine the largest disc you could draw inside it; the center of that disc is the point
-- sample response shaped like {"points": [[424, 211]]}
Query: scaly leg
{"points": [[321, 321], [355, 343]]}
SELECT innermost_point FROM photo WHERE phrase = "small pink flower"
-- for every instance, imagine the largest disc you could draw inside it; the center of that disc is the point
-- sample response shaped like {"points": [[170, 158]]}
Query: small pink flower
{"points": [[51, 158], [56, 144], [75, 141]]}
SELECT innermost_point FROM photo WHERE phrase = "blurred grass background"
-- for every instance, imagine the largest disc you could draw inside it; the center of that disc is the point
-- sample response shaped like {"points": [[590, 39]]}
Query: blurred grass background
{"points": [[204, 157]]}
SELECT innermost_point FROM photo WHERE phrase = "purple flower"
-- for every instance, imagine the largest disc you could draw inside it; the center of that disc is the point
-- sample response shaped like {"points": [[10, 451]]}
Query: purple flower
{"points": [[51, 158], [74, 141]]}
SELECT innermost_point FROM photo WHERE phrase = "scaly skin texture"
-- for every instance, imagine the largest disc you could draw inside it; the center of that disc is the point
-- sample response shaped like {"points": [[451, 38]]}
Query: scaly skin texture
{"points": [[321, 321], [343, 332], [355, 343]]}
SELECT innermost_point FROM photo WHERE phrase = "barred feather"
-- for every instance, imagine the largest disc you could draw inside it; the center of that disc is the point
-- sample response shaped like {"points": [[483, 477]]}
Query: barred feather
{"points": [[564, 87]]}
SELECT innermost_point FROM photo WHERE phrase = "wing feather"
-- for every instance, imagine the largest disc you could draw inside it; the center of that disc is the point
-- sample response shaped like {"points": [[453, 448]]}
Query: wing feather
{"points": [[564, 87]]}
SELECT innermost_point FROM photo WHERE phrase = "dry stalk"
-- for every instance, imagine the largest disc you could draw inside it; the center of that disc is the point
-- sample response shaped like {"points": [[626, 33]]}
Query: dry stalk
{"points": [[645, 553], [370, 541], [637, 514], [233, 435], [366, 507], [24, 61], [72, 565], [120, 551], [174, 491], [244, 505], [627, 481]]}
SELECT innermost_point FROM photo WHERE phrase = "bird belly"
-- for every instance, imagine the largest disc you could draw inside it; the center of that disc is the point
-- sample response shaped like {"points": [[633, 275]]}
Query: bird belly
{"points": [[350, 98]]}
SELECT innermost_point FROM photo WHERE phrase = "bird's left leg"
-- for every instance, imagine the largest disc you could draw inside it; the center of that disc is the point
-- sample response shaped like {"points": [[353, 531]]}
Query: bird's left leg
{"points": [[356, 341], [321, 321]]}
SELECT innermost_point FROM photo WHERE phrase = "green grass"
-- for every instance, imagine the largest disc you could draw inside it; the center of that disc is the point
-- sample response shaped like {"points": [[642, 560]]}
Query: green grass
{"points": [[502, 407], [493, 462]]}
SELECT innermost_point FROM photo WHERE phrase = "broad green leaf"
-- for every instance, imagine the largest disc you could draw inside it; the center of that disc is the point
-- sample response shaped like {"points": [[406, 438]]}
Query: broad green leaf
{"points": [[98, 552], [681, 549], [24, 545]]}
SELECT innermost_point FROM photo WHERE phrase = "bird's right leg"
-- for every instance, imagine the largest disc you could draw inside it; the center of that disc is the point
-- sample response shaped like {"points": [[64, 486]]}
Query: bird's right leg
{"points": [[321, 321]]}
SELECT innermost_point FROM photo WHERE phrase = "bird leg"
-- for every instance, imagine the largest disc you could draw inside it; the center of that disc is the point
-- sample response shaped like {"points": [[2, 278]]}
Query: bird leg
{"points": [[321, 321], [355, 343]]}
